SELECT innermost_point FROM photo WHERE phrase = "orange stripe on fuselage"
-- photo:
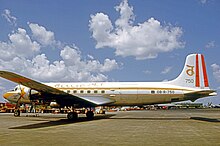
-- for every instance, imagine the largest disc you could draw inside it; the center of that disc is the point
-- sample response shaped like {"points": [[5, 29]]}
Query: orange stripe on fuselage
{"points": [[197, 71], [206, 82]]}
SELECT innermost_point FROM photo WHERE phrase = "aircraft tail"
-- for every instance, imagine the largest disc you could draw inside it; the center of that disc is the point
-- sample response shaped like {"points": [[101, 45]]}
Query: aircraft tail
{"points": [[194, 73]]}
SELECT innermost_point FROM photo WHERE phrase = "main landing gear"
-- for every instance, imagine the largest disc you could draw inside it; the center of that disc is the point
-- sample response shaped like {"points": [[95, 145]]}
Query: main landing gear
{"points": [[74, 115], [90, 115]]}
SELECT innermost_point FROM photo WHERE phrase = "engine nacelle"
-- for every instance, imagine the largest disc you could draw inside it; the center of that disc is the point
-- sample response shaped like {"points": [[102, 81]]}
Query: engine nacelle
{"points": [[54, 104], [34, 94]]}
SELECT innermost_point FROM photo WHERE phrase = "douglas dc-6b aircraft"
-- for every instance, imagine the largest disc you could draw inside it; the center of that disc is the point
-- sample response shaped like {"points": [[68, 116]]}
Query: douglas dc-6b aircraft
{"points": [[191, 84]]}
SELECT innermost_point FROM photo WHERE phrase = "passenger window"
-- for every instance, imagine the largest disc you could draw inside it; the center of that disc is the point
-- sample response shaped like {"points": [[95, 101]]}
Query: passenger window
{"points": [[74, 91], [81, 91], [95, 91], [152, 92], [103, 91], [88, 91], [68, 91]]}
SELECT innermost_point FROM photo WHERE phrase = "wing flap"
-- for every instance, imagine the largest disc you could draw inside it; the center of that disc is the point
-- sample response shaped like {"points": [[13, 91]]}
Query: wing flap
{"points": [[97, 100]]}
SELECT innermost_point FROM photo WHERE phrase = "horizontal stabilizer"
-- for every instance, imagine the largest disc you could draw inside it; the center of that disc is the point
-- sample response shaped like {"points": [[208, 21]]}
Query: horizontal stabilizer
{"points": [[199, 94]]}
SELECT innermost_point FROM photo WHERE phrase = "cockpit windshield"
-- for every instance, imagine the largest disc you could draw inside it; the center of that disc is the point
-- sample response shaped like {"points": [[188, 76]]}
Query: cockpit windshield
{"points": [[15, 89]]}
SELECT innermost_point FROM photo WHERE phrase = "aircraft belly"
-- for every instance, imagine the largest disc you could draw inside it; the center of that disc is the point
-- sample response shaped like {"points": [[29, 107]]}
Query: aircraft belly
{"points": [[158, 98], [125, 99], [143, 99]]}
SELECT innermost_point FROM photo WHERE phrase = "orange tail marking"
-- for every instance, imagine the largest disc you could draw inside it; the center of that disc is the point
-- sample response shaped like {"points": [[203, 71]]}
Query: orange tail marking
{"points": [[197, 71], [206, 82]]}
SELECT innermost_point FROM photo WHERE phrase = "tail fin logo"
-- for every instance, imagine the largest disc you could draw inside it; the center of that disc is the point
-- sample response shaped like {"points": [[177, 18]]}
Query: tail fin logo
{"points": [[190, 70]]}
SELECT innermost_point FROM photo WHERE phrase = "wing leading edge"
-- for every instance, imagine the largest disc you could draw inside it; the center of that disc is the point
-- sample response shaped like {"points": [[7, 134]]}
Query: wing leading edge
{"points": [[61, 96]]}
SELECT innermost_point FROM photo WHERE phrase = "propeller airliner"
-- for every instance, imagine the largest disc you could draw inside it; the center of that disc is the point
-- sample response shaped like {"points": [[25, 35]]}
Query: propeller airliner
{"points": [[191, 84]]}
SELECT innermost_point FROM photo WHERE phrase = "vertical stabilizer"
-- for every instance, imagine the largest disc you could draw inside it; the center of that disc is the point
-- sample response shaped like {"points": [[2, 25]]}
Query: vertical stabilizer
{"points": [[194, 74]]}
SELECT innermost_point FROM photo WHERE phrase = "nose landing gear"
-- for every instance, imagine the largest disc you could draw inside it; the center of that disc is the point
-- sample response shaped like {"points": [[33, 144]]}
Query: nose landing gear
{"points": [[17, 113]]}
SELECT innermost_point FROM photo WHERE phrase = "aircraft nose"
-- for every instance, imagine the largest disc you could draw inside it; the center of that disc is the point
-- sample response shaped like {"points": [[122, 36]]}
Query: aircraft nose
{"points": [[6, 95]]}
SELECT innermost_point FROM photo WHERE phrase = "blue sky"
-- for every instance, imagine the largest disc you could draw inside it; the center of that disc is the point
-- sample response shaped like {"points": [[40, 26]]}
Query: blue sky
{"points": [[114, 40]]}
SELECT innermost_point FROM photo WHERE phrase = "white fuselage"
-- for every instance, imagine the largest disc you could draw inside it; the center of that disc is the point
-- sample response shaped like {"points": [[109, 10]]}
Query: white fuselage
{"points": [[123, 93], [127, 93]]}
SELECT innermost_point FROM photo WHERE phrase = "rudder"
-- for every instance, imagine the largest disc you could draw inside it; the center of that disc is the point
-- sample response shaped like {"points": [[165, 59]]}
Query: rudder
{"points": [[194, 74]]}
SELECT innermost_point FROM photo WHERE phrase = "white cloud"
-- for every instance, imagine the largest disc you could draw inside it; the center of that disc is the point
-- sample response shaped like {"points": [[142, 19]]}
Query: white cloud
{"points": [[216, 71], [101, 28], [210, 44], [71, 56], [109, 65], [23, 44], [23, 55], [19, 44], [126, 15], [42, 35], [11, 19], [143, 41], [167, 70]]}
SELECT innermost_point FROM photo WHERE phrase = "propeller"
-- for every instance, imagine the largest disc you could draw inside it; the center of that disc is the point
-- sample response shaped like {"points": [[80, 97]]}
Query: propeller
{"points": [[22, 93]]}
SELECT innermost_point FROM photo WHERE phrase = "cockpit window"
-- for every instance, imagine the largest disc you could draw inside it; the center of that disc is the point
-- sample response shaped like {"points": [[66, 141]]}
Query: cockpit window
{"points": [[16, 89]]}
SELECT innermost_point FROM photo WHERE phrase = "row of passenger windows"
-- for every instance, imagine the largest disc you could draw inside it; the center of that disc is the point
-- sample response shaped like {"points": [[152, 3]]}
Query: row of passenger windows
{"points": [[86, 91]]}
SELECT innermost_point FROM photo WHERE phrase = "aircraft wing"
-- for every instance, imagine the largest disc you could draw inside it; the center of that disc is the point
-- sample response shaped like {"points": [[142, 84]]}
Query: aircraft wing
{"points": [[54, 93]]}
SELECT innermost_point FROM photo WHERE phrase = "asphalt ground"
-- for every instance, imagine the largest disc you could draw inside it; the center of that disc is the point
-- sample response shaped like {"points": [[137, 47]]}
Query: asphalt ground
{"points": [[195, 127]]}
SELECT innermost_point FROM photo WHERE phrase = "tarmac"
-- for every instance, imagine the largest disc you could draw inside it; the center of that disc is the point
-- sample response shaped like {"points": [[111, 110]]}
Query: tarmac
{"points": [[152, 127]]}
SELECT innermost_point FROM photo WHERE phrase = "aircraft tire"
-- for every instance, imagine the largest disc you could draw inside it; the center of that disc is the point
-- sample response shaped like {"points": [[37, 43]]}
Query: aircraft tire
{"points": [[72, 116], [17, 113], [90, 115]]}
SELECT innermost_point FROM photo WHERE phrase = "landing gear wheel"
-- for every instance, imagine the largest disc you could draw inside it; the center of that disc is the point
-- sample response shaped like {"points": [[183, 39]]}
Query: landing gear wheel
{"points": [[72, 116], [90, 115], [17, 113]]}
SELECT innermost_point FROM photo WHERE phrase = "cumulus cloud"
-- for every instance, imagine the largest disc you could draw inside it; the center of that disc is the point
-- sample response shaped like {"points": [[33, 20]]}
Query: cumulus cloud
{"points": [[23, 55], [19, 44], [42, 35], [167, 70], [10, 19], [216, 71], [143, 41]]}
